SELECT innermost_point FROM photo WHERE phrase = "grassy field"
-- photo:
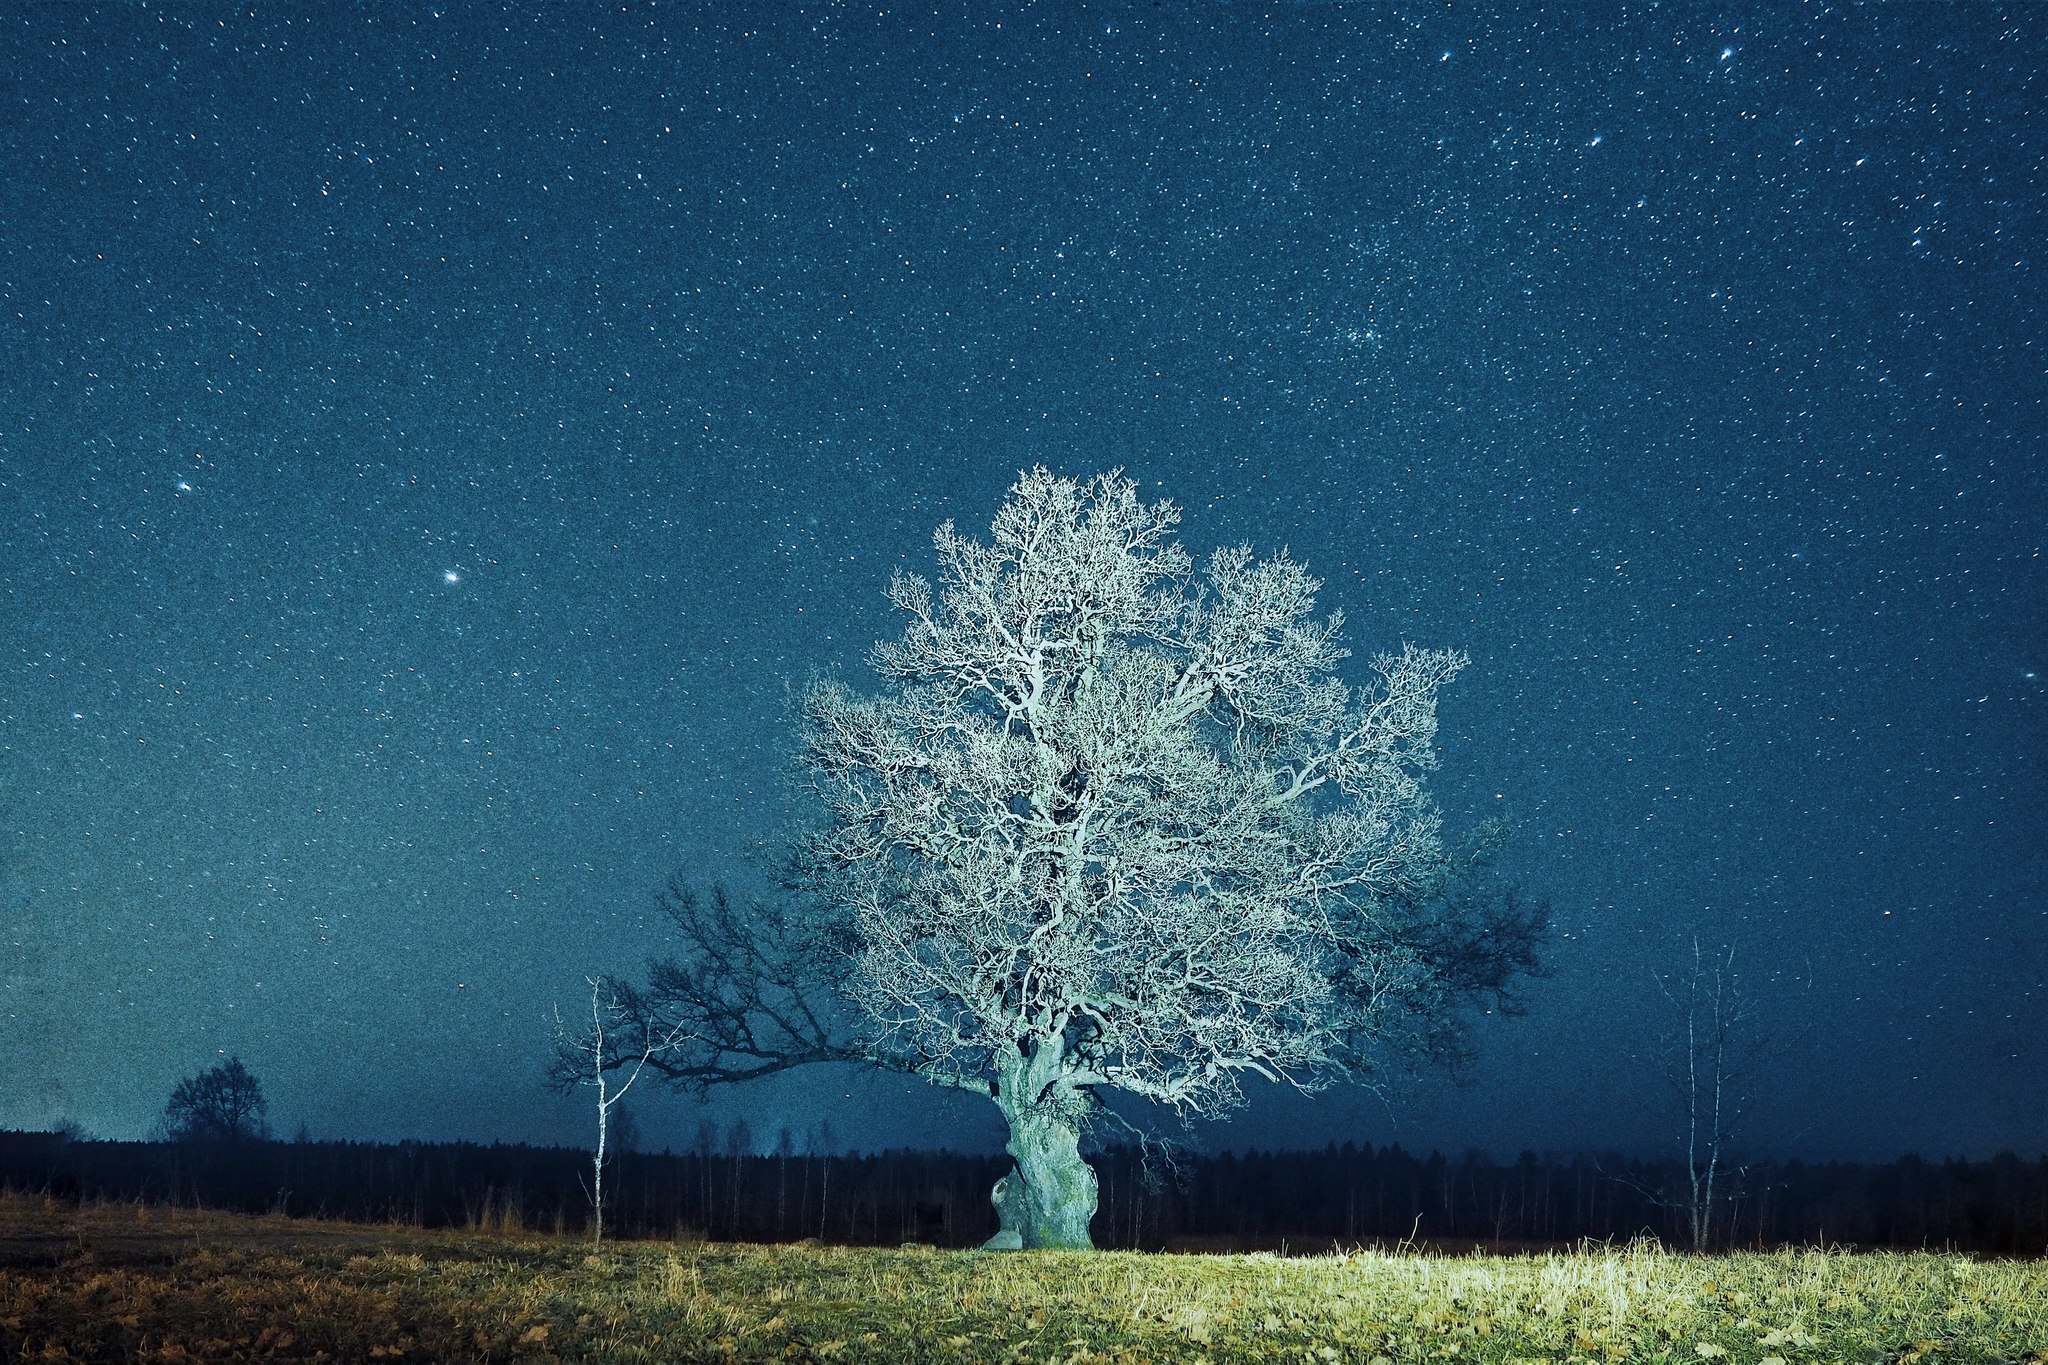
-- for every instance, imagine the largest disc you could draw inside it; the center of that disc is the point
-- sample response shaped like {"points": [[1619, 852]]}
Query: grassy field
{"points": [[139, 1283]]}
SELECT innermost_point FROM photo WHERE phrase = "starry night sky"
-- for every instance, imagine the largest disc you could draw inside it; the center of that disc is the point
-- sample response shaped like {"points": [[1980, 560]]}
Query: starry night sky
{"points": [[434, 441]]}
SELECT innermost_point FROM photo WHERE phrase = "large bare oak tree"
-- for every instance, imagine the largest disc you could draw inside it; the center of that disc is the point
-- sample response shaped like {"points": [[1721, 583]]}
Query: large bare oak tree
{"points": [[1112, 825]]}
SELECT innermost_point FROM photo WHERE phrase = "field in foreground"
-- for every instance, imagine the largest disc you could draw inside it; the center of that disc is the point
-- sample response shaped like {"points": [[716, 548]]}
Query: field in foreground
{"points": [[139, 1283]]}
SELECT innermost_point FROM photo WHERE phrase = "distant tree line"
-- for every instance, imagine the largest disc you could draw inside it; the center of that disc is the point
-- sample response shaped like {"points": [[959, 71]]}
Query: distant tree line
{"points": [[1304, 1200]]}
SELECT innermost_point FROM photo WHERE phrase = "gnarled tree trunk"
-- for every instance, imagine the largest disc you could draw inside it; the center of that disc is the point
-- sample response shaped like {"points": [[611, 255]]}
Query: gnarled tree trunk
{"points": [[1049, 1197]]}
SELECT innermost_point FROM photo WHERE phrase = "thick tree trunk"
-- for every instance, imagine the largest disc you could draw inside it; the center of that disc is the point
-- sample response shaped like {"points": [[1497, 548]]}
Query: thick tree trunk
{"points": [[1049, 1198]]}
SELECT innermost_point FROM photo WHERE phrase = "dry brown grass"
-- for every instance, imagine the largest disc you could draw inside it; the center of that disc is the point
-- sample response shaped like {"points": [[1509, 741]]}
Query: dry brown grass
{"points": [[137, 1283]]}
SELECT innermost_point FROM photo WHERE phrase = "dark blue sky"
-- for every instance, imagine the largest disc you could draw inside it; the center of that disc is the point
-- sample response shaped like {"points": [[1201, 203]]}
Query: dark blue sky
{"points": [[433, 441]]}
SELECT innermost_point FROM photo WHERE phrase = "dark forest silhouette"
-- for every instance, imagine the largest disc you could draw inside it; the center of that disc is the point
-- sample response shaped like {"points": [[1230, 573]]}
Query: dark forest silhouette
{"points": [[1304, 1201]]}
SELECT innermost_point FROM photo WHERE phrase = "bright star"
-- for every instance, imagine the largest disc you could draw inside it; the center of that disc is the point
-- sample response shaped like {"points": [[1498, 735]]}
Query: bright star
{"points": [[450, 576]]}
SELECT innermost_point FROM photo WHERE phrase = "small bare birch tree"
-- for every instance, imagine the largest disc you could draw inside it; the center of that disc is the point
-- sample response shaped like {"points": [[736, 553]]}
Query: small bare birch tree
{"points": [[1113, 826], [613, 1041], [1707, 1066]]}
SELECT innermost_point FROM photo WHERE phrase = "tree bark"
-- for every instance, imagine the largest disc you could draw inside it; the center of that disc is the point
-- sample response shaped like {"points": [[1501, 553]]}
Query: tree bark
{"points": [[1049, 1197]]}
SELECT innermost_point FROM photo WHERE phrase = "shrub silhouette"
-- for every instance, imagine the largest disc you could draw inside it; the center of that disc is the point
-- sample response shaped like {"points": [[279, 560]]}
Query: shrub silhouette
{"points": [[221, 1104]]}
